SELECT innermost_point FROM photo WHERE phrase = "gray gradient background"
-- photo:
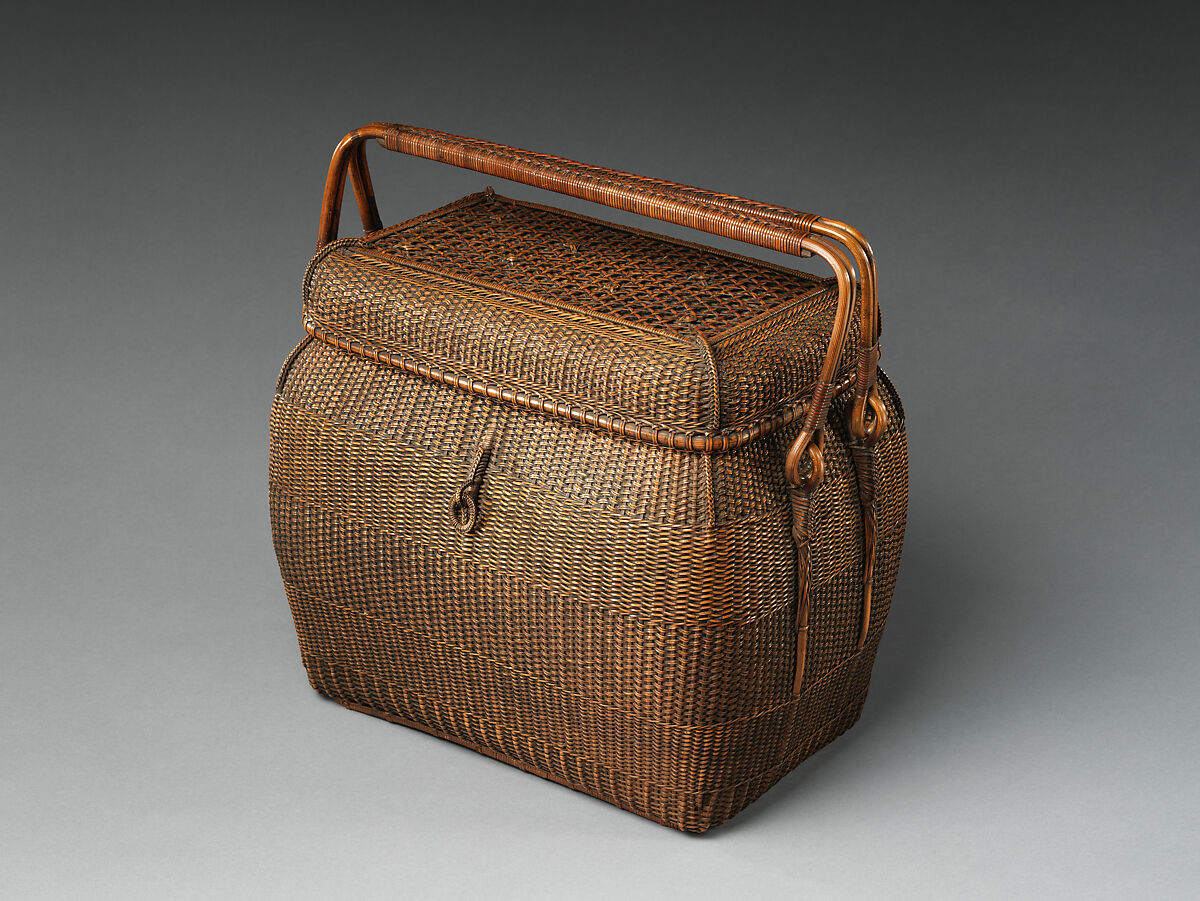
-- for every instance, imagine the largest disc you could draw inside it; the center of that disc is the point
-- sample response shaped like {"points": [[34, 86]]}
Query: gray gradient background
{"points": [[1029, 181]]}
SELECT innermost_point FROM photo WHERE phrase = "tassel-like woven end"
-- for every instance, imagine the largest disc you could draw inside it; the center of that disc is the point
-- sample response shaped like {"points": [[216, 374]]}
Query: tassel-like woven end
{"points": [[868, 421], [864, 468], [804, 469], [801, 508]]}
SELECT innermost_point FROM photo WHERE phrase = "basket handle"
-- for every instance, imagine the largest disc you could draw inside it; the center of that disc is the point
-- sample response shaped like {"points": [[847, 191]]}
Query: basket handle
{"points": [[754, 222], [762, 225]]}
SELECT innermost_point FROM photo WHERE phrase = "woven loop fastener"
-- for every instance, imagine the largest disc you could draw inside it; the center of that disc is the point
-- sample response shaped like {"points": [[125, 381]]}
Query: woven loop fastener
{"points": [[464, 506]]}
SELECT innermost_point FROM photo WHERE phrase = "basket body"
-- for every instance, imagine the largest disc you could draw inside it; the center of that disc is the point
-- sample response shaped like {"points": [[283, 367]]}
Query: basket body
{"points": [[617, 615]]}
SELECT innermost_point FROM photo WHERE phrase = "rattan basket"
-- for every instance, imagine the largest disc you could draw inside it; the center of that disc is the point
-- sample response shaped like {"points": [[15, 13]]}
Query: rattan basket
{"points": [[620, 510]]}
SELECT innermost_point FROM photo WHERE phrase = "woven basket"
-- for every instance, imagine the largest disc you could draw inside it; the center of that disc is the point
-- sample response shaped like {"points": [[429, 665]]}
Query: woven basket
{"points": [[620, 510]]}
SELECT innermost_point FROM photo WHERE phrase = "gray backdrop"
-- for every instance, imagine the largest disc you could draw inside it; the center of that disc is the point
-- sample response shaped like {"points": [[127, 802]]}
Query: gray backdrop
{"points": [[1028, 178]]}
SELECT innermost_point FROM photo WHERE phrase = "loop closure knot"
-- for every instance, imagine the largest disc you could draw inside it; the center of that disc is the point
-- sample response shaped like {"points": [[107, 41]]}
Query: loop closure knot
{"points": [[464, 506]]}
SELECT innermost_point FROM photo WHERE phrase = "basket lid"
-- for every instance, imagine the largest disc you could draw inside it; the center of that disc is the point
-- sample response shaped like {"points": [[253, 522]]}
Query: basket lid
{"points": [[575, 316]]}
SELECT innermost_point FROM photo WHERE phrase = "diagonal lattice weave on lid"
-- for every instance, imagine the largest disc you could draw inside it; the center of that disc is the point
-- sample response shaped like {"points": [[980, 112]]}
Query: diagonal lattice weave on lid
{"points": [[602, 267]]}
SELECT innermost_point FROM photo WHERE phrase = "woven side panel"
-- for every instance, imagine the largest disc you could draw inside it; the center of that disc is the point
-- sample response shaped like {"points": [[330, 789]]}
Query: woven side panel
{"points": [[696, 573], [588, 648], [706, 756], [633, 641], [629, 478], [773, 360]]}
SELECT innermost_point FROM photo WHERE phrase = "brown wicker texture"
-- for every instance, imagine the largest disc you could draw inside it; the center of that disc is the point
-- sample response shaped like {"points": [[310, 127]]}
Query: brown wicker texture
{"points": [[527, 493]]}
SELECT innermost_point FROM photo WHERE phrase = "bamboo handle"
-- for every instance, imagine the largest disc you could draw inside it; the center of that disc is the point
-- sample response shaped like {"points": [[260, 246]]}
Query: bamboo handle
{"points": [[657, 199], [762, 225], [601, 184]]}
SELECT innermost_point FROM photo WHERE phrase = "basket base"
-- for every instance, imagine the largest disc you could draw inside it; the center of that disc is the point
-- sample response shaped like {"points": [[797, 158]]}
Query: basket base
{"points": [[496, 755], [695, 821]]}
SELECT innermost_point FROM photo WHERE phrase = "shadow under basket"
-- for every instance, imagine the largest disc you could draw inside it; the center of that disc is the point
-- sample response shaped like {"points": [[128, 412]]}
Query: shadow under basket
{"points": [[622, 511]]}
